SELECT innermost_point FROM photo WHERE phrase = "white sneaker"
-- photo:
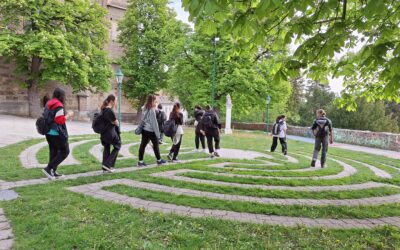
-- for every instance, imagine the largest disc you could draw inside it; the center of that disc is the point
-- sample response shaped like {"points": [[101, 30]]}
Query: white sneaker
{"points": [[107, 169], [204, 150]]}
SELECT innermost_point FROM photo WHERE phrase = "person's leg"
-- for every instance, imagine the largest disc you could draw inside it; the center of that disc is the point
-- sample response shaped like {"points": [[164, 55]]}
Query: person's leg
{"points": [[197, 140], [210, 143], [143, 144], [317, 148], [106, 153], [177, 147], [325, 143], [156, 147], [63, 152], [216, 139], [52, 148], [202, 140], [274, 143], [161, 136], [283, 144]]}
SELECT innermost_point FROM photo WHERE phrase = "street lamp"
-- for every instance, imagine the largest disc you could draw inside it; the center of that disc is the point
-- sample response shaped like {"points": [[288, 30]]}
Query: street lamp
{"points": [[268, 101], [119, 76], [215, 41]]}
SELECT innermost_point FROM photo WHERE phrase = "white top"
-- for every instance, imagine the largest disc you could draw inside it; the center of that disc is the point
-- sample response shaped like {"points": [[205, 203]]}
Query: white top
{"points": [[282, 134]]}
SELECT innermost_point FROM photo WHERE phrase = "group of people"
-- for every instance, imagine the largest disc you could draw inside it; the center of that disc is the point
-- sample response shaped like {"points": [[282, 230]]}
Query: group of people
{"points": [[322, 131], [207, 127]]}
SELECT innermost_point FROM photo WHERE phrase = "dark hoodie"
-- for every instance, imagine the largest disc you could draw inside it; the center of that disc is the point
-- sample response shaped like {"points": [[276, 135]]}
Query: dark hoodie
{"points": [[215, 124], [56, 117]]}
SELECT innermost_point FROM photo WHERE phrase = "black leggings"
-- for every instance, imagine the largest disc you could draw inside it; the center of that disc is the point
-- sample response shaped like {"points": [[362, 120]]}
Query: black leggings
{"points": [[146, 137], [58, 151], [175, 148], [212, 134], [275, 144], [200, 138]]}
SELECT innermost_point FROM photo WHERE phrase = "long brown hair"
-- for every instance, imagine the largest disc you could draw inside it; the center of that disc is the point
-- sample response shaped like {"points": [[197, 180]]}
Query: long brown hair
{"points": [[110, 98], [175, 110], [150, 102]]}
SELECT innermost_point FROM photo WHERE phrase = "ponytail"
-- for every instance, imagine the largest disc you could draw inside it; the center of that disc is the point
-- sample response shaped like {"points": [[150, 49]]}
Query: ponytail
{"points": [[110, 98]]}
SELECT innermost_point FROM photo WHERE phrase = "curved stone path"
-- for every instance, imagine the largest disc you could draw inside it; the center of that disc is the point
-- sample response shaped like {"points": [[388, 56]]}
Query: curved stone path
{"points": [[97, 151], [95, 190], [6, 235], [28, 156]]}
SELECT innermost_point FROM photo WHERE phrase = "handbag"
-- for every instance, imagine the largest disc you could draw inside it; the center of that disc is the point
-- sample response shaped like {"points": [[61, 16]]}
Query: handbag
{"points": [[141, 125]]}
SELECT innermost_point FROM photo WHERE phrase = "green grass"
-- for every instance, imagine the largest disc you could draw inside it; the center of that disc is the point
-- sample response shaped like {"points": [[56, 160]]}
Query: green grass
{"points": [[51, 217]]}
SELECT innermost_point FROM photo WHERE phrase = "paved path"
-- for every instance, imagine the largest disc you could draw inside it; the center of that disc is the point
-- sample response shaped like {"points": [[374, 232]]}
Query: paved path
{"points": [[95, 190], [24, 128], [28, 157], [6, 235]]}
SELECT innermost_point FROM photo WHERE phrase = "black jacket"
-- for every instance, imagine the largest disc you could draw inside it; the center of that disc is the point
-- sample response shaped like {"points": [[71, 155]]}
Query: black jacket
{"points": [[161, 118], [178, 119], [111, 134], [214, 120], [198, 114]]}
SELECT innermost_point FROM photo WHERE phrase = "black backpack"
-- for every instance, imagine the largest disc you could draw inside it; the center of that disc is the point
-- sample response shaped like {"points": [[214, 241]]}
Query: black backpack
{"points": [[277, 128], [99, 125], [207, 121], [43, 122], [323, 130], [170, 128]]}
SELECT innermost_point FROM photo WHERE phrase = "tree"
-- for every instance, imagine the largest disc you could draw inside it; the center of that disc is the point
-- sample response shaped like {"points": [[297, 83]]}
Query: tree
{"points": [[145, 33], [246, 77], [52, 40], [322, 30]]}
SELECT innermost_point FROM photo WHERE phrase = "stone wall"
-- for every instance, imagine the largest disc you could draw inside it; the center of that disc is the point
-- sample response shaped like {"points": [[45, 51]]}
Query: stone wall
{"points": [[355, 137]]}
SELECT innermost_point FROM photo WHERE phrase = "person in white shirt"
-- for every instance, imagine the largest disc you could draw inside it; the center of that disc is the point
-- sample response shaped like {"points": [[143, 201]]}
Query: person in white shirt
{"points": [[279, 131]]}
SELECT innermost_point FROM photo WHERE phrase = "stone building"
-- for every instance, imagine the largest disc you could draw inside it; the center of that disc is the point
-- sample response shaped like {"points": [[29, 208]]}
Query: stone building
{"points": [[14, 98]]}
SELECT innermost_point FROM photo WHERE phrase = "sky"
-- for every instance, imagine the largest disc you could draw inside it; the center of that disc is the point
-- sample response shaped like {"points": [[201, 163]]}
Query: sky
{"points": [[335, 84]]}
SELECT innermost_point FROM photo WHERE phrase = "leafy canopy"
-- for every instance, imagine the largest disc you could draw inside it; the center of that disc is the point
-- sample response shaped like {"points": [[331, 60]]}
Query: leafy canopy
{"points": [[66, 38], [327, 33]]}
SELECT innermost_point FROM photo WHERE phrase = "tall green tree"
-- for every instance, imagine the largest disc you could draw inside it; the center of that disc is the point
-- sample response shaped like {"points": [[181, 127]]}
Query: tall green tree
{"points": [[53, 40], [246, 78], [321, 30], [146, 31]]}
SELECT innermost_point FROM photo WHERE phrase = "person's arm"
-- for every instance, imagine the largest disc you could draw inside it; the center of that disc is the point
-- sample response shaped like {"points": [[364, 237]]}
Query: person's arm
{"points": [[330, 133], [60, 118], [181, 118], [154, 123], [285, 129], [314, 127]]}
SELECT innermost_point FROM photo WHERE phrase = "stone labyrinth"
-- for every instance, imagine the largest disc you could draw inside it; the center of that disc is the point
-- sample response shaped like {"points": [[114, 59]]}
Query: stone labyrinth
{"points": [[242, 177]]}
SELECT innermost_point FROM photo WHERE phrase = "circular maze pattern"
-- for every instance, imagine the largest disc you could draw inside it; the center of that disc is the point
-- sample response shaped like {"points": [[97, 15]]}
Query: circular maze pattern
{"points": [[253, 187]]}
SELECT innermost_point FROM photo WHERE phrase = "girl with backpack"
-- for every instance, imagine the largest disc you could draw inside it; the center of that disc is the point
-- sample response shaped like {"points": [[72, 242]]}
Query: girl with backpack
{"points": [[110, 135], [57, 136], [177, 116], [199, 137], [150, 131], [279, 131]]}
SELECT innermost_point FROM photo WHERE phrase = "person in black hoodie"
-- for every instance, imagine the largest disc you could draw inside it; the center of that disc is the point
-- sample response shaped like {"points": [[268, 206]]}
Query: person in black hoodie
{"points": [[177, 116], [111, 135], [161, 118], [199, 137], [210, 126], [57, 137]]}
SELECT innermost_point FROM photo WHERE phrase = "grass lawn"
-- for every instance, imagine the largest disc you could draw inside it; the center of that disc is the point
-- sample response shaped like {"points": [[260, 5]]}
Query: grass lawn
{"points": [[48, 216]]}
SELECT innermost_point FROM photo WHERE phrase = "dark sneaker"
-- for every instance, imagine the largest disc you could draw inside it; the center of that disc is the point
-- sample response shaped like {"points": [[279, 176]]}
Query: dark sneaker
{"points": [[141, 164], [170, 156], [216, 154], [161, 162], [322, 164], [212, 155], [313, 163], [284, 152], [48, 173], [107, 169], [57, 175]]}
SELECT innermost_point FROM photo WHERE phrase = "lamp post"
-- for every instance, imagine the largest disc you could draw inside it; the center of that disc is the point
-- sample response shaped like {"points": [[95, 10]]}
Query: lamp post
{"points": [[268, 101], [215, 40], [119, 76]]}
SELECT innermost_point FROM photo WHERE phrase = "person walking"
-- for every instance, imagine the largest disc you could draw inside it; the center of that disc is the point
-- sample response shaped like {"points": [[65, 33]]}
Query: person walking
{"points": [[279, 132], [150, 131], [161, 118], [210, 126], [199, 137], [323, 132], [57, 137], [111, 135], [177, 116]]}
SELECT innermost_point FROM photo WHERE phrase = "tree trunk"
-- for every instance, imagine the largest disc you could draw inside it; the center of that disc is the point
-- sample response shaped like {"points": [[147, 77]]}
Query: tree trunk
{"points": [[35, 109], [139, 110]]}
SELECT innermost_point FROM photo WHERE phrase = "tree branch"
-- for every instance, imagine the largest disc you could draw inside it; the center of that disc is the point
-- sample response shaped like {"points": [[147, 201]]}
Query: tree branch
{"points": [[205, 73]]}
